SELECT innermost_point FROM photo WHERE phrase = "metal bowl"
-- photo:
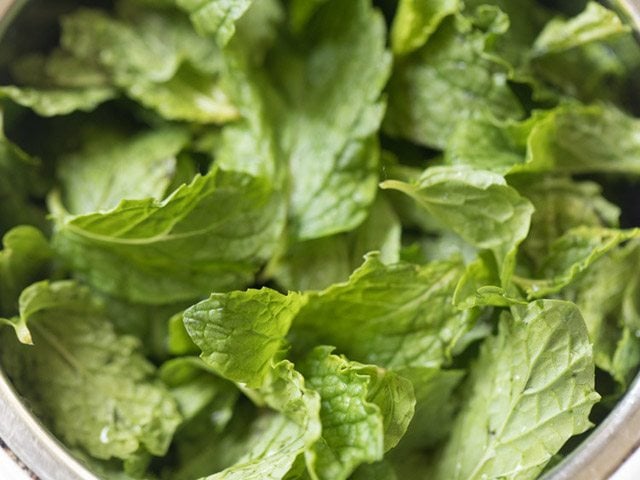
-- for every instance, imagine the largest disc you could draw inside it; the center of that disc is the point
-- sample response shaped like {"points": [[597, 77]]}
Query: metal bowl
{"points": [[597, 458]]}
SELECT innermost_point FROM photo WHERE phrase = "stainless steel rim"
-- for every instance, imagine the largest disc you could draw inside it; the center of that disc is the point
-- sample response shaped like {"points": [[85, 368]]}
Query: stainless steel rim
{"points": [[29, 440], [597, 458]]}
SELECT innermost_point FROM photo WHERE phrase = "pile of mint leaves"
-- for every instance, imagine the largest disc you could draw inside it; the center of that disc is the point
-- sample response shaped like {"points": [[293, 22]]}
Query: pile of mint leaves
{"points": [[322, 239]]}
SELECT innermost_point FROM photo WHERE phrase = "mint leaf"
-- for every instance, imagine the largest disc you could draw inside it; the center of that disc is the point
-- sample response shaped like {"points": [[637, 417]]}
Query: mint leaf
{"points": [[155, 57], [98, 179], [288, 435], [448, 80], [143, 250], [392, 316], [25, 258], [52, 102], [529, 391], [316, 264], [586, 139], [240, 333], [100, 393], [477, 205], [18, 173], [572, 254], [215, 17], [435, 405], [354, 400], [572, 138], [608, 309], [594, 23], [416, 21], [326, 113], [560, 205]]}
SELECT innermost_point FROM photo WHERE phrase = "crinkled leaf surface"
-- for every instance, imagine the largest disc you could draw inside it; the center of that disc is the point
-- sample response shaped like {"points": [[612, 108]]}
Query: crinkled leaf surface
{"points": [[212, 234], [587, 139], [560, 205], [606, 307], [155, 57], [355, 402], [477, 205], [215, 17], [392, 316], [58, 101], [332, 157], [589, 56], [141, 167], [91, 386], [594, 23], [323, 91], [317, 264], [531, 389], [448, 80], [240, 333], [572, 254]]}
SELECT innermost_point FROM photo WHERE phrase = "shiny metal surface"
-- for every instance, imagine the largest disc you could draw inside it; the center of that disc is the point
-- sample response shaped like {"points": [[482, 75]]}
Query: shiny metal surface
{"points": [[597, 458], [26, 437]]}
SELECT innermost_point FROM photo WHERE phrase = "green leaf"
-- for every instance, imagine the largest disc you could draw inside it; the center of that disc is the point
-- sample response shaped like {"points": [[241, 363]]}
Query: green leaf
{"points": [[526, 19], [271, 454], [18, 173], [594, 23], [215, 17], [608, 308], [586, 139], [352, 424], [572, 138], [156, 57], [560, 205], [289, 434], [178, 340], [416, 21], [58, 101], [530, 390], [572, 254], [91, 386], [395, 397], [25, 258], [198, 391], [435, 405], [98, 178], [326, 112], [626, 358], [317, 264], [333, 157], [392, 316], [487, 144], [190, 95], [212, 234], [240, 333], [477, 205], [449, 80]]}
